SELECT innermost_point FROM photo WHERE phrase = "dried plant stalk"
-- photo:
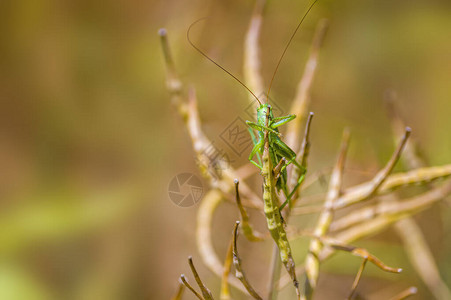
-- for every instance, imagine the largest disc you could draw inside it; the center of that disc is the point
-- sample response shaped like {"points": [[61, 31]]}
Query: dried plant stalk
{"points": [[238, 268], [228, 261], [248, 231], [324, 221]]}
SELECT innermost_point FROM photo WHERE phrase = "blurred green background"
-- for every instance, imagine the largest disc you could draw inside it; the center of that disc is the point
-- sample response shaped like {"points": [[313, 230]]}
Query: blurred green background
{"points": [[89, 140]]}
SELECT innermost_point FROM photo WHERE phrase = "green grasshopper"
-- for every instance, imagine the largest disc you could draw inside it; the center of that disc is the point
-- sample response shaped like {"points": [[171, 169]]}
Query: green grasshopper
{"points": [[279, 152]]}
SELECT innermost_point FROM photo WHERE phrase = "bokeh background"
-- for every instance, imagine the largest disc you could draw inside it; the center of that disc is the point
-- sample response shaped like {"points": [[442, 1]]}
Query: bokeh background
{"points": [[89, 140]]}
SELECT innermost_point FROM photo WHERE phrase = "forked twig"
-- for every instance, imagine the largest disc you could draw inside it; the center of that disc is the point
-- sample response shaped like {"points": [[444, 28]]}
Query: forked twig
{"points": [[381, 176], [237, 263], [204, 236], [185, 282], [415, 177], [205, 291]]}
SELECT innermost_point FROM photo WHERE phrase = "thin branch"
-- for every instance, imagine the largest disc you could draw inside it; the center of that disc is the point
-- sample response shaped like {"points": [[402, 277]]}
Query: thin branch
{"points": [[204, 236], [405, 294], [306, 210], [325, 219], [415, 244], [415, 177], [228, 261], [237, 263], [302, 98], [391, 210], [381, 176], [392, 214], [421, 257], [185, 282], [179, 294], [303, 154], [248, 231], [357, 278], [205, 291], [251, 66]]}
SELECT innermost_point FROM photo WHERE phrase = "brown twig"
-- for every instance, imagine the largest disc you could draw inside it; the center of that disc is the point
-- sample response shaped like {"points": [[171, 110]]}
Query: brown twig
{"points": [[228, 261], [204, 236], [248, 231], [301, 99], [381, 176], [237, 263], [179, 294], [303, 154], [325, 219], [405, 294], [185, 282], [251, 65], [415, 244], [415, 177], [357, 278], [205, 291]]}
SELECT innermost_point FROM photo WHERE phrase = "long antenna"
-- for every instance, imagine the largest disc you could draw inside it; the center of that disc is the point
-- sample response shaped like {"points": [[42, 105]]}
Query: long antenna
{"points": [[286, 47], [210, 59]]}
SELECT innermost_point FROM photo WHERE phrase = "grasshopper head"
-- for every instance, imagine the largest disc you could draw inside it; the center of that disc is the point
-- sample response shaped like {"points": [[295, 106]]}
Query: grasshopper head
{"points": [[262, 111]]}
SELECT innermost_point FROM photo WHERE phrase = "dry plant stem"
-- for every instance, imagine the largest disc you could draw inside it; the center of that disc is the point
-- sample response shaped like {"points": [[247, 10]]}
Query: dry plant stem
{"points": [[421, 257], [182, 277], [205, 291], [415, 177], [405, 294], [248, 231], [239, 273], [251, 70], [357, 278], [415, 245], [303, 154], [204, 236], [179, 294], [225, 290], [324, 221], [301, 100], [381, 176], [274, 273], [306, 210], [189, 114], [393, 214], [411, 156], [391, 209]]}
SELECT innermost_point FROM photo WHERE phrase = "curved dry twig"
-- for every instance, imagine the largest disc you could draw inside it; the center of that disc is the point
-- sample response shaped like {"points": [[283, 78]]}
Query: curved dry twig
{"points": [[239, 273]]}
